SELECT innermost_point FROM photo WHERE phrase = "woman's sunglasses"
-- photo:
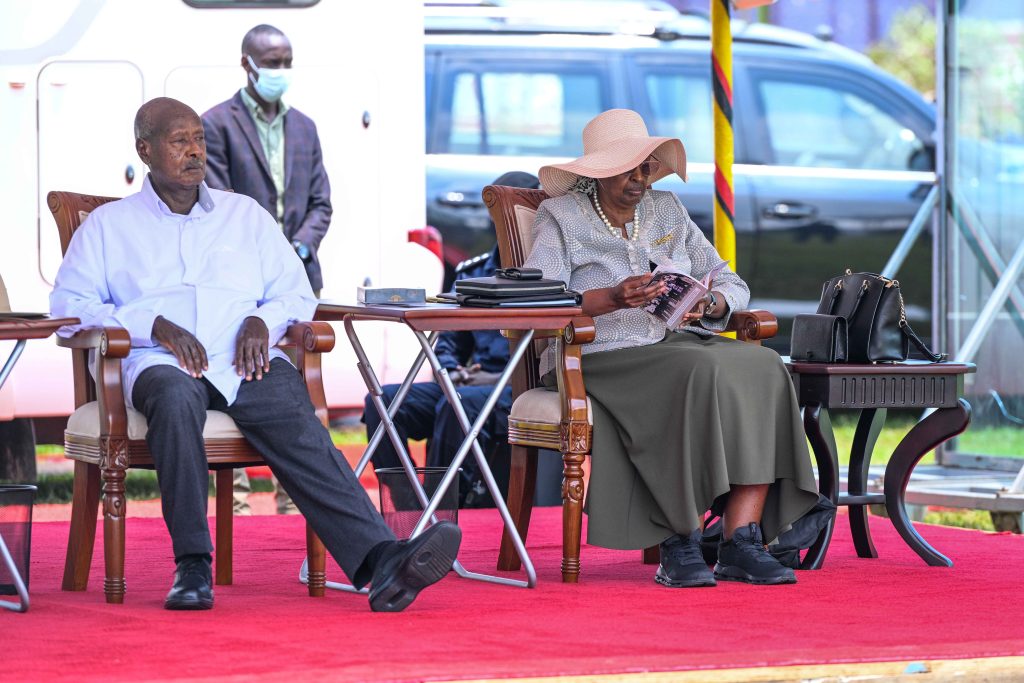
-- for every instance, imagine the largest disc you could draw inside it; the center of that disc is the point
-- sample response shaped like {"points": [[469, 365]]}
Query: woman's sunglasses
{"points": [[647, 168]]}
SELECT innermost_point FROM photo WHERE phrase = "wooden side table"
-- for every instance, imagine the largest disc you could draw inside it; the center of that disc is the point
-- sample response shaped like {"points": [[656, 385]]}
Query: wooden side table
{"points": [[874, 389]]}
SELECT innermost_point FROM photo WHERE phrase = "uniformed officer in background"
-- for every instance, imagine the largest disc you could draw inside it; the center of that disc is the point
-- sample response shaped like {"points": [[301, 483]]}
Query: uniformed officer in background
{"points": [[474, 360]]}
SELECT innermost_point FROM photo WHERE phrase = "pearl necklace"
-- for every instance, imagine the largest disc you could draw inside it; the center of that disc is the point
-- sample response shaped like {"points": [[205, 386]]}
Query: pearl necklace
{"points": [[611, 228]]}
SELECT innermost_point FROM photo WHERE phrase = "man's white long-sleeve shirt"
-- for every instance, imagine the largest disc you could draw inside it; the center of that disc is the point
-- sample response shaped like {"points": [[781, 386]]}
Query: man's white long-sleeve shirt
{"points": [[133, 260]]}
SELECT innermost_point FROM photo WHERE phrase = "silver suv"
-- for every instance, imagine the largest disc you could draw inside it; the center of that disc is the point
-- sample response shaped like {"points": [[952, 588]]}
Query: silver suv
{"points": [[833, 156]]}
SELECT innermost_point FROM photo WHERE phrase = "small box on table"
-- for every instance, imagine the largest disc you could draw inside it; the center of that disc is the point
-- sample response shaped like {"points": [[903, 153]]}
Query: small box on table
{"points": [[390, 295]]}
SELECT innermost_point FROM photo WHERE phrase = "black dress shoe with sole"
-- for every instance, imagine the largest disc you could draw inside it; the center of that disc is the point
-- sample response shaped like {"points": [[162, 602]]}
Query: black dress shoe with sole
{"points": [[412, 566], [193, 585]]}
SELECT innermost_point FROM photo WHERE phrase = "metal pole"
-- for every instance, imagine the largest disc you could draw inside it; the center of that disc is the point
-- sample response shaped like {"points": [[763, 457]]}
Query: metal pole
{"points": [[721, 78], [996, 301], [924, 213]]}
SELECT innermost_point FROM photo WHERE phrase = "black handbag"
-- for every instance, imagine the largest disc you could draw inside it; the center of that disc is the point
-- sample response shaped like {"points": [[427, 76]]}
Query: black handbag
{"points": [[818, 338], [876, 319]]}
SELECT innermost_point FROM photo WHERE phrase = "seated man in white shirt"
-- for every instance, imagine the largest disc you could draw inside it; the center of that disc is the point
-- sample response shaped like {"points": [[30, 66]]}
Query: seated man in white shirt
{"points": [[206, 285]]}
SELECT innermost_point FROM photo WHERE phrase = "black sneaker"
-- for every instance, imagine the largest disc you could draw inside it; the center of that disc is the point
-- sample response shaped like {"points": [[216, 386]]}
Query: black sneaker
{"points": [[193, 584], [682, 563], [412, 566], [744, 558]]}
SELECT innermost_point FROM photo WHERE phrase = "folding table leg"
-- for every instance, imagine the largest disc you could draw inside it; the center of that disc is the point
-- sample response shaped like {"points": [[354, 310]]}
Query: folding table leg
{"points": [[470, 443], [19, 583], [387, 426]]}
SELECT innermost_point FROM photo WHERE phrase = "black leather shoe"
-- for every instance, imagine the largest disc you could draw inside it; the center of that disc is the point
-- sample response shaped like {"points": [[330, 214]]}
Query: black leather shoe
{"points": [[744, 558], [412, 566], [682, 563], [193, 585]]}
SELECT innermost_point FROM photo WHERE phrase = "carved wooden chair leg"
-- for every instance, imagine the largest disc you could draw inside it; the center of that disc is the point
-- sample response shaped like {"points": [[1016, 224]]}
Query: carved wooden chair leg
{"points": [[521, 485], [572, 515], [317, 555], [225, 527], [112, 469], [82, 535]]}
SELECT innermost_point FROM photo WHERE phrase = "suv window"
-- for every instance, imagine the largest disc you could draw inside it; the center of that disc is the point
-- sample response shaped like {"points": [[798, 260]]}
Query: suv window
{"points": [[681, 107], [521, 113], [816, 125]]}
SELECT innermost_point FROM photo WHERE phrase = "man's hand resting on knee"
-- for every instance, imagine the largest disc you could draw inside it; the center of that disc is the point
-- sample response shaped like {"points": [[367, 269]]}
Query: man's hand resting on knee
{"points": [[252, 355], [186, 348]]}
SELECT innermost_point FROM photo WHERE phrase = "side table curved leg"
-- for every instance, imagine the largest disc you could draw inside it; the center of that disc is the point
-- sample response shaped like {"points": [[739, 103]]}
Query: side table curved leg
{"points": [[818, 428], [941, 425], [868, 427]]}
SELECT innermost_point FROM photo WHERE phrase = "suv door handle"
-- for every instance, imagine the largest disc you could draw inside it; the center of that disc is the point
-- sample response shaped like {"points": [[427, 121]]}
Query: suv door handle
{"points": [[789, 211]]}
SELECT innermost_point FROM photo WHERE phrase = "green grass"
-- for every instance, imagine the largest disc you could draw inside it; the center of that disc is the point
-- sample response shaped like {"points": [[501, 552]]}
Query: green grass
{"points": [[1002, 441], [896, 427], [139, 485], [983, 440], [349, 436], [965, 519]]}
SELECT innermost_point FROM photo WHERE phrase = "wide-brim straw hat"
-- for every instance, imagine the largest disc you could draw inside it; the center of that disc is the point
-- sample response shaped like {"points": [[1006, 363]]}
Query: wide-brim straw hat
{"points": [[614, 142]]}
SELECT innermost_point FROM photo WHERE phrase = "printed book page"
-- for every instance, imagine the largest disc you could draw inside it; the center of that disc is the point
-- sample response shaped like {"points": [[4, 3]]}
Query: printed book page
{"points": [[684, 291]]}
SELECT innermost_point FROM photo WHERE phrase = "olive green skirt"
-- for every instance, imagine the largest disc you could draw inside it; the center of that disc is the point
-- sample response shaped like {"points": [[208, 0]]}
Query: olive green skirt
{"points": [[676, 424]]}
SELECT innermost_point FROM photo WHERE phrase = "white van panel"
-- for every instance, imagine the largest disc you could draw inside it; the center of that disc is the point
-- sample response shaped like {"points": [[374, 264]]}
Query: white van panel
{"points": [[88, 65]]}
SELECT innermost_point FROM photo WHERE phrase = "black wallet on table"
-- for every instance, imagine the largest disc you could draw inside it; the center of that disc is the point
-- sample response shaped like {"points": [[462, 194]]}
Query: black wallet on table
{"points": [[818, 338]]}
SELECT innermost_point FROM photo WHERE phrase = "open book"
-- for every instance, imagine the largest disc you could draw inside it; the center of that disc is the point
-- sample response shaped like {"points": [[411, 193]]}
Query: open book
{"points": [[684, 291]]}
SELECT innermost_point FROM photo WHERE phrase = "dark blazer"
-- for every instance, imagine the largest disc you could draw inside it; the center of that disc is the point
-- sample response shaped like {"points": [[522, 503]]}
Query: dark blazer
{"points": [[235, 161]]}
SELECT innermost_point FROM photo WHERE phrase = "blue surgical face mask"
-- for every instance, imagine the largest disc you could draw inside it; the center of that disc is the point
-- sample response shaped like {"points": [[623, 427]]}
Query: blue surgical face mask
{"points": [[272, 83]]}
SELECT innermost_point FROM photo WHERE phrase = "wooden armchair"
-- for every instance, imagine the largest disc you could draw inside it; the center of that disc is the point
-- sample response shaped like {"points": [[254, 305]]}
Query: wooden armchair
{"points": [[105, 437], [559, 421]]}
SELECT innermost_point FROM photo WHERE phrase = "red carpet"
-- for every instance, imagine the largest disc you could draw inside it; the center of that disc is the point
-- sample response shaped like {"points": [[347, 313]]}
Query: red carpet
{"points": [[616, 620]]}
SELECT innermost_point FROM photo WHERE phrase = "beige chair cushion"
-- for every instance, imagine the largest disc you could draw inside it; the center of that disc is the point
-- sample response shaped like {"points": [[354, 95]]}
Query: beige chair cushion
{"points": [[524, 219], [85, 422], [541, 406]]}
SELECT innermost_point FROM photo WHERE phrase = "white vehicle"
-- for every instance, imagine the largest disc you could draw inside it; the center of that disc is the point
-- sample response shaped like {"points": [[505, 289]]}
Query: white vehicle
{"points": [[74, 72]]}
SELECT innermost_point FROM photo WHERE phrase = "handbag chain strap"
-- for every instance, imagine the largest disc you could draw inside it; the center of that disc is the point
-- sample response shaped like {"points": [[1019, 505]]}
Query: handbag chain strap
{"points": [[908, 331]]}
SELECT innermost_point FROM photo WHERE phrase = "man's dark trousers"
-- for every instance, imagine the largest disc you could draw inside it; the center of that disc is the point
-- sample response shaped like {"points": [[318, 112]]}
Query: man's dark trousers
{"points": [[276, 416]]}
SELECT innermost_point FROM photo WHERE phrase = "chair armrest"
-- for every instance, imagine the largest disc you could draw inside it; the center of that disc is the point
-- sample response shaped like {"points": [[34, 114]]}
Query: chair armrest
{"points": [[753, 325], [310, 339], [313, 337], [575, 422], [111, 342]]}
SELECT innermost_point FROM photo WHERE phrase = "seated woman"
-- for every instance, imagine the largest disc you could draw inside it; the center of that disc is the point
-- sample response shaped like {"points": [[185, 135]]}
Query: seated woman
{"points": [[684, 420]]}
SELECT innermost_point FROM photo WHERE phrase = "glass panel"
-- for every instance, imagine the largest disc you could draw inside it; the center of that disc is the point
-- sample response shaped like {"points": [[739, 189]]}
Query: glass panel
{"points": [[466, 135], [682, 109], [521, 114], [813, 125], [985, 226]]}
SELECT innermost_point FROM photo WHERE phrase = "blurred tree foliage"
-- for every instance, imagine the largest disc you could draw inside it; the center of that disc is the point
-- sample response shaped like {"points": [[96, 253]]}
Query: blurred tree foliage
{"points": [[908, 52]]}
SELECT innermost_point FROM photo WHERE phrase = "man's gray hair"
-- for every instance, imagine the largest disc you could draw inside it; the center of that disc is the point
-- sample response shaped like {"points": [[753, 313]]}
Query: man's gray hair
{"points": [[152, 116], [257, 33]]}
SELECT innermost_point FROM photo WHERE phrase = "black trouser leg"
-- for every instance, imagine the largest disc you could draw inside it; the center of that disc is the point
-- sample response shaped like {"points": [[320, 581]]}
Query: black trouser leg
{"points": [[415, 419], [175, 408], [276, 416]]}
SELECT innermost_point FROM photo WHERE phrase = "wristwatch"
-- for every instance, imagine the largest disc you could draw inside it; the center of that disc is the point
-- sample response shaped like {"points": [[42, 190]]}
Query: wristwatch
{"points": [[711, 306]]}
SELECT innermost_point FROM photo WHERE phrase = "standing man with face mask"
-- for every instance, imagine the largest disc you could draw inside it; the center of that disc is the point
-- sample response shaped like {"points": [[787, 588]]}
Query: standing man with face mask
{"points": [[259, 146]]}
